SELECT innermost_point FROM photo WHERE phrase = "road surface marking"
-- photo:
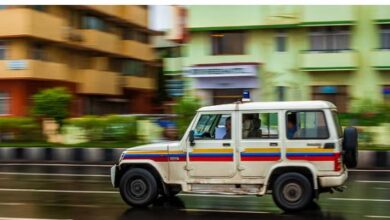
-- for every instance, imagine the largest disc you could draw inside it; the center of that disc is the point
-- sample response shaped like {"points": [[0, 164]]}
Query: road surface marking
{"points": [[55, 165], [50, 204], [11, 218], [372, 181], [384, 188], [223, 211], [376, 216], [58, 191], [354, 170], [357, 199], [53, 174]]}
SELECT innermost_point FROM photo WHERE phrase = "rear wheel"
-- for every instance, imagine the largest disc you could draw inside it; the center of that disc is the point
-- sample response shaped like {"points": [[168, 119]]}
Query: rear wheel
{"points": [[138, 187], [292, 192]]}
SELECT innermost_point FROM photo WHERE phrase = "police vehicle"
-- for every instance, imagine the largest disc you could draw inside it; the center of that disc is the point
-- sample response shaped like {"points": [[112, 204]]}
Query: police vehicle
{"points": [[292, 150]]}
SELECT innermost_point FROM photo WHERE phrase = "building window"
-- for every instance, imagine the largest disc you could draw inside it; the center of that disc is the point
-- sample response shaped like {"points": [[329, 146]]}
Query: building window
{"points": [[38, 51], [3, 50], [92, 22], [329, 38], [385, 36], [335, 94], [228, 43], [38, 7], [386, 94], [281, 92], [3, 7], [133, 68], [136, 35], [4, 103], [281, 41]]}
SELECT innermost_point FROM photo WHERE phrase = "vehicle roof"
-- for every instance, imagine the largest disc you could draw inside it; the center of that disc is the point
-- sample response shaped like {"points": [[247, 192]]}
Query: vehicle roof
{"points": [[288, 105]]}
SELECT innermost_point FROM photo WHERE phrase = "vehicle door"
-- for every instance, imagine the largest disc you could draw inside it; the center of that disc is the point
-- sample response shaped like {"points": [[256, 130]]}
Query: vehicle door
{"points": [[308, 138], [259, 142], [212, 154]]}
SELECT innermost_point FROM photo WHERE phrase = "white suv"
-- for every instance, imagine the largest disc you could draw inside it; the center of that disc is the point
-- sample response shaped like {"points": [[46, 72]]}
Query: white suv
{"points": [[293, 150]]}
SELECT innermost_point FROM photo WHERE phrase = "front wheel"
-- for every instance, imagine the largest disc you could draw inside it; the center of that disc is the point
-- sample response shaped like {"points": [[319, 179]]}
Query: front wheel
{"points": [[138, 187], [292, 192]]}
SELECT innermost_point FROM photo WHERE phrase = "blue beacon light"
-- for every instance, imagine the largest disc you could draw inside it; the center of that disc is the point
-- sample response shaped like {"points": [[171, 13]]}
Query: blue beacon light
{"points": [[246, 97]]}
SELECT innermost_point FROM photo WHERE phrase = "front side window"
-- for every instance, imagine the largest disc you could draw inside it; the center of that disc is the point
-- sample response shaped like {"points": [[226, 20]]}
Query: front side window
{"points": [[3, 48], [260, 126], [214, 127], [385, 37], [306, 125], [4, 103], [228, 42], [329, 38]]}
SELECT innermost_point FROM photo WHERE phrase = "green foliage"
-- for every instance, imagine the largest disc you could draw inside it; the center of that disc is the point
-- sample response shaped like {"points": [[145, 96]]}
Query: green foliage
{"points": [[366, 112], [19, 129], [52, 103], [185, 110], [106, 128]]}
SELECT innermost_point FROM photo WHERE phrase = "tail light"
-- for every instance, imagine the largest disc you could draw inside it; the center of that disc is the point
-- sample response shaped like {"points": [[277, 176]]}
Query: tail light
{"points": [[337, 161]]}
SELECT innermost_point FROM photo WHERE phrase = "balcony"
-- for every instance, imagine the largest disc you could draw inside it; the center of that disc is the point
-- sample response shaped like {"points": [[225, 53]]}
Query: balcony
{"points": [[98, 82], [101, 41], [111, 10], [136, 82], [34, 69], [319, 15], [136, 15], [381, 13], [138, 50], [28, 22], [173, 65], [329, 61], [381, 59]]}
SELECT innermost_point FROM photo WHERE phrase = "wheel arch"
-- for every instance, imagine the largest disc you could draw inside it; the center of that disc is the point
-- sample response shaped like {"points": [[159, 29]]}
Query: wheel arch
{"points": [[308, 170]]}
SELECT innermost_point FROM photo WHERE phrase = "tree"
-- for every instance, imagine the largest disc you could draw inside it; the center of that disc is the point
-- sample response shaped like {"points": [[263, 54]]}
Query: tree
{"points": [[185, 110], [52, 103]]}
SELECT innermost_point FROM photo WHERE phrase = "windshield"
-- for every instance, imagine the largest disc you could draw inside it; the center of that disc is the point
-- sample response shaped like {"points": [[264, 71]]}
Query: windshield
{"points": [[337, 123]]}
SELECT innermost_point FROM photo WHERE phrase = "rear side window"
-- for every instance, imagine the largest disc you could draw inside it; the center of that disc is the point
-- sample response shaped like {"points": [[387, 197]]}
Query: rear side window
{"points": [[306, 125], [337, 124]]}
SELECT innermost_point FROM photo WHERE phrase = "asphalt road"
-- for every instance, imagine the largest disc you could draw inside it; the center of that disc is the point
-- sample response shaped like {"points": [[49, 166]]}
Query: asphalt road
{"points": [[36, 192]]}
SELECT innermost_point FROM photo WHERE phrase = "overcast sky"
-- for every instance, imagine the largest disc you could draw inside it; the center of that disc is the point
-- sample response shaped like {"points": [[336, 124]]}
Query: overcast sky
{"points": [[160, 17]]}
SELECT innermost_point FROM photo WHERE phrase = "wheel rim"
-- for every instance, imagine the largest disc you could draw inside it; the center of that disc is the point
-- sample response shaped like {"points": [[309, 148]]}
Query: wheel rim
{"points": [[292, 192], [137, 188]]}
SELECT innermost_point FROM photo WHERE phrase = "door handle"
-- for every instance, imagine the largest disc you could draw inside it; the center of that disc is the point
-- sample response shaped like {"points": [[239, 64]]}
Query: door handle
{"points": [[226, 144], [313, 144], [273, 144]]}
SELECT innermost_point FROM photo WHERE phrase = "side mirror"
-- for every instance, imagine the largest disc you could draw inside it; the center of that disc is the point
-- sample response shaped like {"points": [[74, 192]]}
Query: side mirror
{"points": [[191, 138]]}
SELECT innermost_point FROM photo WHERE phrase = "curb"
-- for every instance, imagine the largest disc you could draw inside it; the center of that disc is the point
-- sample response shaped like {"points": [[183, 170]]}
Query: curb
{"points": [[366, 159]]}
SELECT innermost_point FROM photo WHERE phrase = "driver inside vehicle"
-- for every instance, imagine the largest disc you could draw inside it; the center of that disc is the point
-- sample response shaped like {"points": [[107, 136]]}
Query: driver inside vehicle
{"points": [[228, 126]]}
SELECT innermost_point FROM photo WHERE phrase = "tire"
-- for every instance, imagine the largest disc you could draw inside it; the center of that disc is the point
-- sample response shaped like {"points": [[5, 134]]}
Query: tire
{"points": [[350, 147], [292, 192], [138, 187]]}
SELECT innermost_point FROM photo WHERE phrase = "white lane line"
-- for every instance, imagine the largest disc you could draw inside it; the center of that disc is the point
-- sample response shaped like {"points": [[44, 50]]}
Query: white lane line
{"points": [[223, 211], [49, 204], [54, 165], [372, 181], [376, 216], [354, 170], [11, 218], [357, 199], [384, 188], [58, 191], [53, 174]]}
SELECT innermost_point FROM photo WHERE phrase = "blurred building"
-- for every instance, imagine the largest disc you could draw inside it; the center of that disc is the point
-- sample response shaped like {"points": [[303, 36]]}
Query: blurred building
{"points": [[102, 54], [335, 53]]}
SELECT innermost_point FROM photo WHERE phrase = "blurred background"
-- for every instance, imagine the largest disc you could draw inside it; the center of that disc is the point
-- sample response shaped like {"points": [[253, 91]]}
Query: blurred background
{"points": [[119, 76]]}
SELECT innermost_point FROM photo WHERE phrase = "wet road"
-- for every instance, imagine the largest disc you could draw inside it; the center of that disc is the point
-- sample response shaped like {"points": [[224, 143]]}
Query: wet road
{"points": [[36, 192]]}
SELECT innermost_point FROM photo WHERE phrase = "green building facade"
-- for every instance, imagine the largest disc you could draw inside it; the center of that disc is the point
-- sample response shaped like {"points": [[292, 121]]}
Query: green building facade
{"points": [[335, 53]]}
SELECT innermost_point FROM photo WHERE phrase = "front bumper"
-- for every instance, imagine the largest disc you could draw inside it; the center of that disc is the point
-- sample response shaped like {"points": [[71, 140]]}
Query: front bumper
{"points": [[333, 181], [113, 174]]}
